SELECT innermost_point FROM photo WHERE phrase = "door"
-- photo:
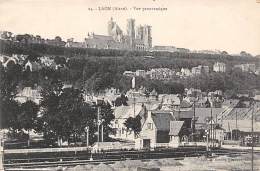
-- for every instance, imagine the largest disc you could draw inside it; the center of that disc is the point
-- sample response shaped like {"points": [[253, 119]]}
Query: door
{"points": [[146, 143]]}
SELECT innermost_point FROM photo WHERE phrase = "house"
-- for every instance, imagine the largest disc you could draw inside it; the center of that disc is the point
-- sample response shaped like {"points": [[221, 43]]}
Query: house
{"points": [[10, 60], [29, 93], [161, 73], [219, 67], [32, 66], [3, 58], [155, 130], [200, 69], [129, 73], [160, 129], [244, 126], [169, 101], [140, 73], [249, 67], [185, 72], [47, 61], [122, 113], [216, 132], [175, 133], [203, 116], [164, 49]]}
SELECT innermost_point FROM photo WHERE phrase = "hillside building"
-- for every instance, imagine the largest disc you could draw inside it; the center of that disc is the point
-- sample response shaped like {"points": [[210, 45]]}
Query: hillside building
{"points": [[219, 67]]}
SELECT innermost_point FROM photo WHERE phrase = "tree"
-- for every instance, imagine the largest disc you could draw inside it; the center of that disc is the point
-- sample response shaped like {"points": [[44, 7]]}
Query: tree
{"points": [[106, 116], [27, 116], [134, 124], [59, 60], [9, 115], [9, 79], [65, 114], [122, 100]]}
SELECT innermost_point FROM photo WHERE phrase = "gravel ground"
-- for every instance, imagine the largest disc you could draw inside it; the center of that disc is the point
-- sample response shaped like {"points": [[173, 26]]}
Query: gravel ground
{"points": [[221, 163]]}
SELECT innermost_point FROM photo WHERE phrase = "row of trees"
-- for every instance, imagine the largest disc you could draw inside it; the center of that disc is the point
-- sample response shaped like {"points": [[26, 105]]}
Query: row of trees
{"points": [[62, 113], [24, 47]]}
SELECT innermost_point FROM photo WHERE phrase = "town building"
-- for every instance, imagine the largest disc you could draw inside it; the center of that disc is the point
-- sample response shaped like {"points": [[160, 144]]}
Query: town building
{"points": [[169, 101], [129, 73], [115, 31], [15, 59], [219, 67], [130, 29], [122, 113], [164, 49], [6, 35], [161, 73], [185, 72], [249, 67], [140, 73], [199, 70], [29, 93], [116, 39], [32, 66], [161, 129]]}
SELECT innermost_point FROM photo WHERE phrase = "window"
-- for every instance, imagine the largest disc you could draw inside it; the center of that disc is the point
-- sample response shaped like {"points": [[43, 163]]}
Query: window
{"points": [[149, 125]]}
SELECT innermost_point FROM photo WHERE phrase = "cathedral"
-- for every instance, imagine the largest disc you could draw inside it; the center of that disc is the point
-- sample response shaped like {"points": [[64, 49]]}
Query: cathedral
{"points": [[136, 38]]}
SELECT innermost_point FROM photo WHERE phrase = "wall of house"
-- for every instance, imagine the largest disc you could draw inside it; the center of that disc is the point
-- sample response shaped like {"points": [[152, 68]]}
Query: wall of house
{"points": [[148, 132], [121, 131], [174, 141], [162, 137]]}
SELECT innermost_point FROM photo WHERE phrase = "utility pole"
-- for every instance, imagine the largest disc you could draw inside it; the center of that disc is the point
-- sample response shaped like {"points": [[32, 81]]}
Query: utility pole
{"points": [[87, 132], [252, 133], [98, 123], [179, 113], [236, 127], [207, 134], [215, 130], [193, 123], [211, 132], [134, 104], [133, 87], [102, 132]]}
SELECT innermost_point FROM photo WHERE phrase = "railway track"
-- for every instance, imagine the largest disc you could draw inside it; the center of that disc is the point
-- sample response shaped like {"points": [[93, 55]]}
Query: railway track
{"points": [[109, 157]]}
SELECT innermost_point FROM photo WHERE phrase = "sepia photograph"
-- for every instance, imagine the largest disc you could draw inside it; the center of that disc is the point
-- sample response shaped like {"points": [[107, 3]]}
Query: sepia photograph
{"points": [[129, 85]]}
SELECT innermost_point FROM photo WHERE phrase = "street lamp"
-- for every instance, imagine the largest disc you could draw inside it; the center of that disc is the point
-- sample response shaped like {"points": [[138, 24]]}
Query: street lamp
{"points": [[207, 136], [102, 130], [194, 100], [87, 132]]}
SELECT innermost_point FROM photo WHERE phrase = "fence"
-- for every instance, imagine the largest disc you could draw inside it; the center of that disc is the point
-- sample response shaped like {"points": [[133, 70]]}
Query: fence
{"points": [[162, 145]]}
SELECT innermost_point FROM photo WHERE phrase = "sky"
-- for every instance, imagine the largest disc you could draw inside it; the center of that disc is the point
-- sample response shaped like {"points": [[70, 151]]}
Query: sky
{"points": [[230, 25]]}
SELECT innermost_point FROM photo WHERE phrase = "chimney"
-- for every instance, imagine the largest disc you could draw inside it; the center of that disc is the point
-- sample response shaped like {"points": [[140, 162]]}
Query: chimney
{"points": [[149, 114]]}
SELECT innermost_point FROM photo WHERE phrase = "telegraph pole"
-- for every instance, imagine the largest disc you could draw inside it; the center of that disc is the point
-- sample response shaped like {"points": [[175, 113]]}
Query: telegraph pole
{"points": [[193, 123], [211, 132], [133, 87], [102, 132], [98, 123], [252, 133], [236, 127], [87, 132]]}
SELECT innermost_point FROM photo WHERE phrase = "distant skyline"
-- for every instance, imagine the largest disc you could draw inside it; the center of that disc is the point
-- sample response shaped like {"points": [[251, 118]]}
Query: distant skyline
{"points": [[230, 25]]}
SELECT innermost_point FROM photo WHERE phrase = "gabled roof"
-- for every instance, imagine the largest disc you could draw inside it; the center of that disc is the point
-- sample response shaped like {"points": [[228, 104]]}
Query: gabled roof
{"points": [[162, 121], [242, 125], [204, 113], [185, 104], [184, 114], [175, 127], [124, 112], [103, 37], [242, 113]]}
